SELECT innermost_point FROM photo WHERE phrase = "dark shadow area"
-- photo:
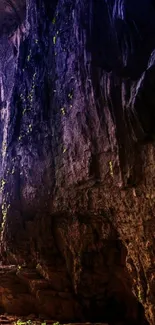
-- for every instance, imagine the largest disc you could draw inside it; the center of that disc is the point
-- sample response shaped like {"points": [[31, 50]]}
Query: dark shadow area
{"points": [[12, 14], [123, 36], [122, 43], [104, 290], [112, 301], [114, 312], [50, 7]]}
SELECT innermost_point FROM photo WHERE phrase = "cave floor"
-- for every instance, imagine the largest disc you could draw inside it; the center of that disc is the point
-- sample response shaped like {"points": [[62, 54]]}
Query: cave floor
{"points": [[19, 289], [31, 320]]}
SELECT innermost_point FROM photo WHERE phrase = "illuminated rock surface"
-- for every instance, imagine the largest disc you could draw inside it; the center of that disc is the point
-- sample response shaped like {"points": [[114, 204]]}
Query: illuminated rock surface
{"points": [[77, 160]]}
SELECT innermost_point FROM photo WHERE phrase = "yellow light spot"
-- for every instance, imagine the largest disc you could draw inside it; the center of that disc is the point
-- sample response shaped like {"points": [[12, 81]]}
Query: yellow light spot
{"points": [[13, 170], [111, 168], [54, 40], [63, 111], [70, 96], [54, 21]]}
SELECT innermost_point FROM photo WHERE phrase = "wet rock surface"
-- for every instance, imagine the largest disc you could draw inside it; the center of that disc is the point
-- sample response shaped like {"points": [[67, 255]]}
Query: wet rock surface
{"points": [[77, 161]]}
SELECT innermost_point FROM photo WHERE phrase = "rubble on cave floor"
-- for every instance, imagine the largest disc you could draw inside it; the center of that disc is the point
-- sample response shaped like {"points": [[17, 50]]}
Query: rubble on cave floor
{"points": [[31, 320]]}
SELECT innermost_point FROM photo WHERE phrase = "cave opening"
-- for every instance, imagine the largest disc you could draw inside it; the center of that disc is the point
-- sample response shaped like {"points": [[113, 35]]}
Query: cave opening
{"points": [[110, 300], [114, 311]]}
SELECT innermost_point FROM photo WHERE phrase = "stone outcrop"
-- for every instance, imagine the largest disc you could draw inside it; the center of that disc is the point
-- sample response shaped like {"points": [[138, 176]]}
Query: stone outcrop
{"points": [[26, 292], [77, 157]]}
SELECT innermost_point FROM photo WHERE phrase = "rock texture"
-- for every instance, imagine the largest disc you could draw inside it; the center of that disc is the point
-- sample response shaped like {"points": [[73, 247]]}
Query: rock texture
{"points": [[77, 156], [26, 292], [12, 14]]}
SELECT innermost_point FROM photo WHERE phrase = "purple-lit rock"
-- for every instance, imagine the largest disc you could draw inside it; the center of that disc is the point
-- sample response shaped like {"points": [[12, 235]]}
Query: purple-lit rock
{"points": [[77, 155]]}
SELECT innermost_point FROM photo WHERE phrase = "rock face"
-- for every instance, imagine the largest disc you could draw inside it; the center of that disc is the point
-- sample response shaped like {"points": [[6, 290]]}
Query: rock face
{"points": [[12, 14], [77, 156]]}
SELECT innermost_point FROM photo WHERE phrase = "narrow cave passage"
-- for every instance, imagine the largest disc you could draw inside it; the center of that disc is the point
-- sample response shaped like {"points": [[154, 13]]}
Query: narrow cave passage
{"points": [[104, 290], [116, 312], [111, 302]]}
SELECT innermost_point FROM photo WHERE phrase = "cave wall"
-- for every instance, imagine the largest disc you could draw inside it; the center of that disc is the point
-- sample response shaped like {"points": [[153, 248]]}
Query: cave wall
{"points": [[77, 147], [12, 15]]}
